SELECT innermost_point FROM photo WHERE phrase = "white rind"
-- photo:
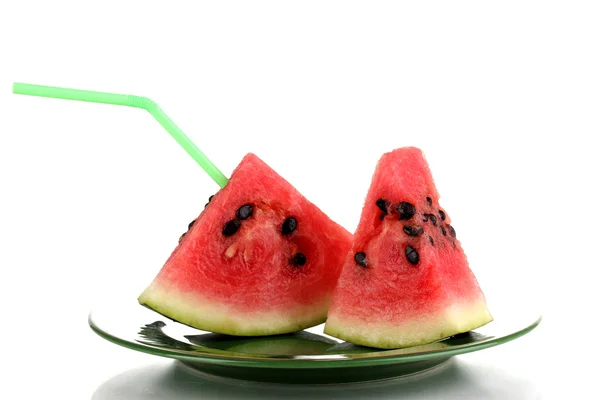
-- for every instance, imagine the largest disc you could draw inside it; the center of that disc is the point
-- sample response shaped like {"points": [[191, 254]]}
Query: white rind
{"points": [[453, 320], [214, 316]]}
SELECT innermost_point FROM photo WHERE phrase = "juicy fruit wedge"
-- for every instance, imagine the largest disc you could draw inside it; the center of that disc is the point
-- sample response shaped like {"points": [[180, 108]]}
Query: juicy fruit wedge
{"points": [[406, 281], [259, 260]]}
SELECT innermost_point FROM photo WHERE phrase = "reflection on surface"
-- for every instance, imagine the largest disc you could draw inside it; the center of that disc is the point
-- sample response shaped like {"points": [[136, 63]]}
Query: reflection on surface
{"points": [[153, 334], [300, 345], [458, 379], [293, 344], [284, 346]]}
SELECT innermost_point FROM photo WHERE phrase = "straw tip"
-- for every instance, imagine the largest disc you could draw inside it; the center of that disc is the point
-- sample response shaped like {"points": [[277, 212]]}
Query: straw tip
{"points": [[16, 87]]}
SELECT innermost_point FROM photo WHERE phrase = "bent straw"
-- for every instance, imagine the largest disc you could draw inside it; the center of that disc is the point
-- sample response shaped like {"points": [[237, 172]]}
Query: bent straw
{"points": [[130, 101]]}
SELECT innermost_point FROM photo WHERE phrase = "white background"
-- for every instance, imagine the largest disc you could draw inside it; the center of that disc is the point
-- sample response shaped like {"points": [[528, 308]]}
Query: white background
{"points": [[503, 98]]}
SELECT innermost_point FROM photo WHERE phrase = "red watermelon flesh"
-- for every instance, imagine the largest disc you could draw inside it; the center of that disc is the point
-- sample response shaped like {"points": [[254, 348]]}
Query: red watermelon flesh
{"points": [[244, 269], [406, 280]]}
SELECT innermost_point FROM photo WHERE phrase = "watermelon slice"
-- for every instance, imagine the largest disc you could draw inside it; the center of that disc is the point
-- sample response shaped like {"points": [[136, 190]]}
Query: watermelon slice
{"points": [[406, 281], [259, 260]]}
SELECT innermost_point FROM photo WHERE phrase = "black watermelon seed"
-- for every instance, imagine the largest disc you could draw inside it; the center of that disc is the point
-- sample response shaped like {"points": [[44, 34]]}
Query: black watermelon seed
{"points": [[429, 201], [361, 259], [443, 230], [433, 219], [191, 224], [452, 231], [406, 210], [430, 239], [231, 227], [244, 212], [425, 217], [382, 205], [298, 260], [442, 215], [289, 225], [181, 237], [413, 230], [411, 255], [209, 199]]}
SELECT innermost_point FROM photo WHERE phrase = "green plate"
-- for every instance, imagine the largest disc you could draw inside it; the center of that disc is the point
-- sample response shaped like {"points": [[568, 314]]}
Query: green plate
{"points": [[303, 357]]}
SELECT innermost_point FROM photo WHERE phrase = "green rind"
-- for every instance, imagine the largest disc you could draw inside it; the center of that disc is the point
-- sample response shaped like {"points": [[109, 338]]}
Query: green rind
{"points": [[265, 328], [214, 317], [389, 344], [428, 329]]}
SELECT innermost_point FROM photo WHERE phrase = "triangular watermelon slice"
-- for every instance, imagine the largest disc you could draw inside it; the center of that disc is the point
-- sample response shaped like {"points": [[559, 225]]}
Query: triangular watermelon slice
{"points": [[259, 260], [407, 280]]}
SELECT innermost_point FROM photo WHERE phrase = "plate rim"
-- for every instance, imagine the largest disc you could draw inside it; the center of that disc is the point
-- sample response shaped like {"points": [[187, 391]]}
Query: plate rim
{"points": [[328, 361]]}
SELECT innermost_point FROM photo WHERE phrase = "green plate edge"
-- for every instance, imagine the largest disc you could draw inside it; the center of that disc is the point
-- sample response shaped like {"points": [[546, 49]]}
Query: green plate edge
{"points": [[327, 362]]}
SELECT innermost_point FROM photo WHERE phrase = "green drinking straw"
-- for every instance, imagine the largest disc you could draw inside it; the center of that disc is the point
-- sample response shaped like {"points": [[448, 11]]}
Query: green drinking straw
{"points": [[130, 101]]}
